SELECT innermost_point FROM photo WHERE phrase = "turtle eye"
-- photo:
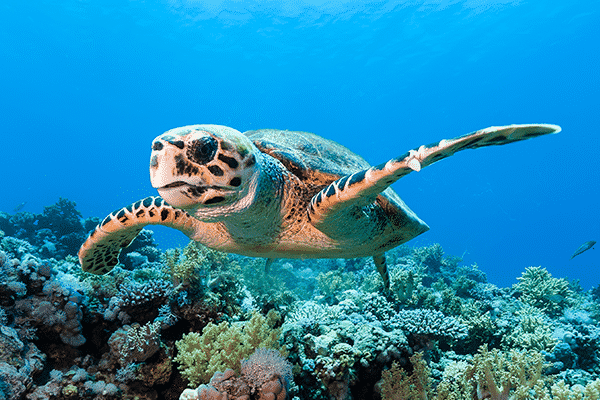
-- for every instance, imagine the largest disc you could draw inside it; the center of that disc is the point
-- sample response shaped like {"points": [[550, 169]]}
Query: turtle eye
{"points": [[202, 150]]}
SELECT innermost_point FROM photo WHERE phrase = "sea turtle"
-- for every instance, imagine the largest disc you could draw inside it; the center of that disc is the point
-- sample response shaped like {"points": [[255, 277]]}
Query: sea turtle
{"points": [[279, 194]]}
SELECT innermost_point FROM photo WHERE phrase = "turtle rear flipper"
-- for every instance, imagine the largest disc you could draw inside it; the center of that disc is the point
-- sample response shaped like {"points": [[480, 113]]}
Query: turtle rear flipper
{"points": [[361, 188], [100, 252]]}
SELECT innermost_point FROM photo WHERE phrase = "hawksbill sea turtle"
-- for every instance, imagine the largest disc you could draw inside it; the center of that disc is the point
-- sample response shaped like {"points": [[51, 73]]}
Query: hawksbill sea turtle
{"points": [[279, 194]]}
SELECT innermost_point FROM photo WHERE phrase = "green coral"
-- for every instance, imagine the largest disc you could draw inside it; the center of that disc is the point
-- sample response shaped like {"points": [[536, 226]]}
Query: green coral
{"points": [[185, 267], [440, 297], [430, 257], [195, 262], [269, 289], [69, 390], [508, 375], [404, 284], [532, 332], [483, 328], [224, 345], [562, 391], [539, 289], [206, 273], [332, 283], [495, 375], [454, 386]]}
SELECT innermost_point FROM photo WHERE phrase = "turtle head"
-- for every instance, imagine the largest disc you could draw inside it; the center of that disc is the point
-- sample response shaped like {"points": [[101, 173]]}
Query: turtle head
{"points": [[203, 168]]}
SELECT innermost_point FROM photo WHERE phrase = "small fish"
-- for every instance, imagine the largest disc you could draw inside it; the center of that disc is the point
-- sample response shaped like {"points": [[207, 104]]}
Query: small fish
{"points": [[19, 207], [584, 247]]}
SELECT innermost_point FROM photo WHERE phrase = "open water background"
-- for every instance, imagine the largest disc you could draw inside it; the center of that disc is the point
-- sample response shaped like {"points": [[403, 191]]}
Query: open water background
{"points": [[86, 85]]}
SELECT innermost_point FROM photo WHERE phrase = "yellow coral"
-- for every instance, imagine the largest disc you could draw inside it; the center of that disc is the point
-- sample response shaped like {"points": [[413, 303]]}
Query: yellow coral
{"points": [[224, 345], [454, 386], [562, 391], [532, 332], [541, 290], [332, 283], [511, 375], [396, 384], [494, 375]]}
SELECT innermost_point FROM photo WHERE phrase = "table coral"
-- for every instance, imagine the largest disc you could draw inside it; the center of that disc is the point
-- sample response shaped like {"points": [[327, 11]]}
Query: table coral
{"points": [[425, 325]]}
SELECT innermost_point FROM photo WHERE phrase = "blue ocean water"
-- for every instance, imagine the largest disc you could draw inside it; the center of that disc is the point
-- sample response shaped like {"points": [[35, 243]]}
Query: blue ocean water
{"points": [[85, 86]]}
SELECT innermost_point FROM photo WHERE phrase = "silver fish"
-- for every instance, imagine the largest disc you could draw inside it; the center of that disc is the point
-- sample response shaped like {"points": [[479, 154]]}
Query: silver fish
{"points": [[584, 247], [19, 207]]}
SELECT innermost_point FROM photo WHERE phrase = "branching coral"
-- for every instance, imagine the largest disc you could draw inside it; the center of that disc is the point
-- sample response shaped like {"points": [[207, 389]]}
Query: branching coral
{"points": [[141, 342], [224, 345], [332, 283], [531, 333], [396, 384], [427, 325], [507, 376], [539, 289], [266, 375], [139, 302], [430, 257]]}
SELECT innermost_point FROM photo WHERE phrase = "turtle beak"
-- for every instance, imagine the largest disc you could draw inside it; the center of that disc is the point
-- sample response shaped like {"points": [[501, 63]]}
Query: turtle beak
{"points": [[162, 164]]}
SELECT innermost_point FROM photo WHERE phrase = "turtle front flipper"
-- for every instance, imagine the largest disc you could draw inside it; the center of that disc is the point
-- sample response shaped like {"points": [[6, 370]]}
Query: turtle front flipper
{"points": [[362, 188], [100, 252]]}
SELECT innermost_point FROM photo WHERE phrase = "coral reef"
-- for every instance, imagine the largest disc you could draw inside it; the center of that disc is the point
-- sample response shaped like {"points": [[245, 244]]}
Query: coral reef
{"points": [[224, 345], [58, 231], [301, 330], [539, 289], [264, 376]]}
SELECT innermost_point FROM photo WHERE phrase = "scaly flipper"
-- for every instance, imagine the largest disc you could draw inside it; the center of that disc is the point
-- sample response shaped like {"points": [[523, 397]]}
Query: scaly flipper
{"points": [[361, 188], [100, 252]]}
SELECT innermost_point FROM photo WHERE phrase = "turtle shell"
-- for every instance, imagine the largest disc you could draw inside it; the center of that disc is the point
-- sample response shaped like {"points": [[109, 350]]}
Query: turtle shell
{"points": [[313, 159]]}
